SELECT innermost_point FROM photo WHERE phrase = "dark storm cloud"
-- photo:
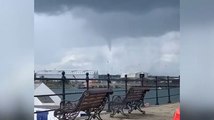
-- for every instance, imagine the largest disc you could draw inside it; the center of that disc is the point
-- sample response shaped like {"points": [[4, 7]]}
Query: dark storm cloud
{"points": [[117, 24], [115, 18], [136, 6]]}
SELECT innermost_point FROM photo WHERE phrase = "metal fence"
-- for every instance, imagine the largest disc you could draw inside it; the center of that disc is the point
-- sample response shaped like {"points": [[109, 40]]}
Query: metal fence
{"points": [[151, 82]]}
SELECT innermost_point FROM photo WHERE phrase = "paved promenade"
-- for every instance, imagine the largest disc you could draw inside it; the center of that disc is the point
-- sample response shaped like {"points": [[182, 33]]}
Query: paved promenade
{"points": [[160, 112]]}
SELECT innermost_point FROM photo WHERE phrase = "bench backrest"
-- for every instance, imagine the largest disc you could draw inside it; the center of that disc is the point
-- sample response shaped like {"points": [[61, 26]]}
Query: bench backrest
{"points": [[135, 94], [93, 98]]}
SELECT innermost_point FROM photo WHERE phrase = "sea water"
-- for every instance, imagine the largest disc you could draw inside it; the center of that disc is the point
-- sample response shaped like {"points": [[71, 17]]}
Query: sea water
{"points": [[149, 98]]}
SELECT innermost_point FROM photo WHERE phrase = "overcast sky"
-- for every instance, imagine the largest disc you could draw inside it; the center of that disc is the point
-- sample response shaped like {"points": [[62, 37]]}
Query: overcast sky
{"points": [[109, 36]]}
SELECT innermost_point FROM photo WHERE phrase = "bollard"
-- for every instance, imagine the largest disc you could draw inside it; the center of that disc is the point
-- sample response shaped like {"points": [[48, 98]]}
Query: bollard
{"points": [[87, 80], [108, 81], [142, 84], [42, 116], [126, 81], [126, 88], [169, 99], [156, 88], [142, 79], [87, 87], [63, 85]]}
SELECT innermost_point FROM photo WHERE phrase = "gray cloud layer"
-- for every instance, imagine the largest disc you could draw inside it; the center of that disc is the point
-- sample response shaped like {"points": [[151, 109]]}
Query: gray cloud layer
{"points": [[134, 6], [118, 18]]}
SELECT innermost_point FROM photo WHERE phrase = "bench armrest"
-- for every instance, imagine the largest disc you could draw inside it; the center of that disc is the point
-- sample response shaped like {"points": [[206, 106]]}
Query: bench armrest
{"points": [[69, 101], [67, 110], [68, 104], [117, 99]]}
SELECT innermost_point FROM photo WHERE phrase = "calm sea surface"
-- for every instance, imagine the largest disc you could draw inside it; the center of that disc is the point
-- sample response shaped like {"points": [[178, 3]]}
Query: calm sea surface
{"points": [[119, 91]]}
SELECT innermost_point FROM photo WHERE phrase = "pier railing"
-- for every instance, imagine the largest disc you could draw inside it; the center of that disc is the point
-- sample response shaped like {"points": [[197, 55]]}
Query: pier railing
{"points": [[154, 83]]}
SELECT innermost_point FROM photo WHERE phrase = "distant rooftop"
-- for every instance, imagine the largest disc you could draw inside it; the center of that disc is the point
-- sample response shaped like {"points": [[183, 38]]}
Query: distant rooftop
{"points": [[66, 71]]}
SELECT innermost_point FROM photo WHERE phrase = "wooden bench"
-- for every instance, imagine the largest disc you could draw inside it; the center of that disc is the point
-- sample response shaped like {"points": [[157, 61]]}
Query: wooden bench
{"points": [[134, 99], [92, 102]]}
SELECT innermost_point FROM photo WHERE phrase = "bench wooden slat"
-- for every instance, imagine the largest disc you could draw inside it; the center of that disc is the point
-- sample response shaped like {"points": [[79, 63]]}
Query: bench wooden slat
{"points": [[94, 95], [91, 102], [133, 97], [91, 99], [134, 94], [86, 107]]}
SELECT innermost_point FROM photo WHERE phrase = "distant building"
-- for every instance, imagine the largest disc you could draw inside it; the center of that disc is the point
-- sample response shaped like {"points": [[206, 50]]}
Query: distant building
{"points": [[105, 77], [111, 76], [93, 74], [135, 75]]}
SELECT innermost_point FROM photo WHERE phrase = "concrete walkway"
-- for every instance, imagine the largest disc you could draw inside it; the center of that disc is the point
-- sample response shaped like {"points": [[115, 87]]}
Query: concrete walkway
{"points": [[159, 112]]}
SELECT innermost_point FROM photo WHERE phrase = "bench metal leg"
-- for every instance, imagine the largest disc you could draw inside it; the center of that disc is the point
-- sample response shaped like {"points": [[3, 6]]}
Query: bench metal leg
{"points": [[113, 113], [61, 115], [89, 117], [122, 112], [115, 109], [130, 107], [135, 106], [93, 116], [96, 113], [140, 104], [117, 106], [98, 117], [142, 111], [130, 110], [118, 109]]}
